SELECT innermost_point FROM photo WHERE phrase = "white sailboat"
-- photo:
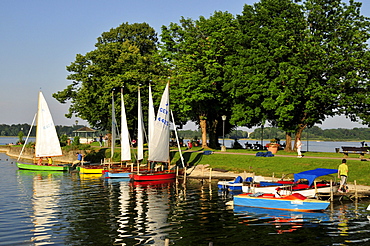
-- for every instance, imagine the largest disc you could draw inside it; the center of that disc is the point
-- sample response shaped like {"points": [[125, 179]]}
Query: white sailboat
{"points": [[159, 149], [47, 141], [125, 143]]}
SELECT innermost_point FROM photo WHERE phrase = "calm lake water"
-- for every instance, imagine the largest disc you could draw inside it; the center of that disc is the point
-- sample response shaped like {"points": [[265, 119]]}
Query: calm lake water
{"points": [[53, 208]]}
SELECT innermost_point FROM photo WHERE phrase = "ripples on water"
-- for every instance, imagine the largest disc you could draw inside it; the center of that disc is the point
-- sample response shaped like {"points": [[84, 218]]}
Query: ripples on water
{"points": [[53, 208]]}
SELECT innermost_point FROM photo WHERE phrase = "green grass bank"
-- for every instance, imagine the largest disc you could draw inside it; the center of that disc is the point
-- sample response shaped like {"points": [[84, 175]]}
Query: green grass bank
{"points": [[281, 164]]}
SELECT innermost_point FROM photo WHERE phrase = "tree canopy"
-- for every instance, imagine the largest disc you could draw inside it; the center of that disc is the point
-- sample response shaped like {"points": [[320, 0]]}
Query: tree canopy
{"points": [[126, 57], [301, 62], [198, 52], [291, 63]]}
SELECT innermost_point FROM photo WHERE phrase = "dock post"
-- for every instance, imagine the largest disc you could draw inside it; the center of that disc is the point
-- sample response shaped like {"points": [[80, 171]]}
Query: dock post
{"points": [[185, 175], [210, 175], [331, 191], [356, 195], [315, 185], [166, 242]]}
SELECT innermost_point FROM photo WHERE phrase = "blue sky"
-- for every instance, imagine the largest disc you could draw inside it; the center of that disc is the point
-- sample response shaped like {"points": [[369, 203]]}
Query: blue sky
{"points": [[39, 38]]}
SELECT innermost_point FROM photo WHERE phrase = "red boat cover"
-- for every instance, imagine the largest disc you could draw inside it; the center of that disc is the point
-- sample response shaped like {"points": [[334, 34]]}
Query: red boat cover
{"points": [[295, 196]]}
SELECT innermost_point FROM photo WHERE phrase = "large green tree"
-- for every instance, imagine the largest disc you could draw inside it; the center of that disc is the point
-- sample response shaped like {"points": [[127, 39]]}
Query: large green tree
{"points": [[301, 62], [198, 51], [126, 57]]}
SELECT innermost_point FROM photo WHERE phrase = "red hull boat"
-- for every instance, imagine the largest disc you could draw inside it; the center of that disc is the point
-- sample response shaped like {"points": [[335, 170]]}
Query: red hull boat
{"points": [[149, 176]]}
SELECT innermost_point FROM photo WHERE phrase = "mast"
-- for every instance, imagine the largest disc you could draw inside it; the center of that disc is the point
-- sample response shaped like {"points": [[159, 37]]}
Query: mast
{"points": [[177, 140], [113, 137]]}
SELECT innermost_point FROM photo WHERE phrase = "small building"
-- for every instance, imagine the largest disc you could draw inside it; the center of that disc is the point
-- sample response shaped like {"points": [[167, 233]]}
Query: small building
{"points": [[86, 134]]}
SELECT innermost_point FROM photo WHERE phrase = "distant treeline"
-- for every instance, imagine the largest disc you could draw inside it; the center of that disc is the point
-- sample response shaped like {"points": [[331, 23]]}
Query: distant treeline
{"points": [[14, 130], [314, 133]]}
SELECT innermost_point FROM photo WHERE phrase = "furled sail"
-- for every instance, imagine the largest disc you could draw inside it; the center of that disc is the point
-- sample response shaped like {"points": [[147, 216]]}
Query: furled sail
{"points": [[140, 130]]}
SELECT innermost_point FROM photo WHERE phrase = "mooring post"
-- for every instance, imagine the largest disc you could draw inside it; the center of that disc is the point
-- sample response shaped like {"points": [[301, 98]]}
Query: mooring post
{"points": [[331, 191], [167, 242], [210, 174], [356, 190]]}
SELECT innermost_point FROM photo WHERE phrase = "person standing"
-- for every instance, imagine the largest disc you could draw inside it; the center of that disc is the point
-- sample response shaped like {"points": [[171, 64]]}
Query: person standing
{"points": [[101, 140], [299, 147], [343, 174]]}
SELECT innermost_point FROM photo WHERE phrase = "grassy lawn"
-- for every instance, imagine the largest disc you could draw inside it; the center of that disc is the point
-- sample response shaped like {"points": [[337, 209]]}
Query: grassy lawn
{"points": [[277, 166]]}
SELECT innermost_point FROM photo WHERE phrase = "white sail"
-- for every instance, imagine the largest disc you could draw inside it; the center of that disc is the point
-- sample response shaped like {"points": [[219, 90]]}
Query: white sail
{"points": [[159, 143], [151, 116], [47, 142], [125, 137], [140, 130]]}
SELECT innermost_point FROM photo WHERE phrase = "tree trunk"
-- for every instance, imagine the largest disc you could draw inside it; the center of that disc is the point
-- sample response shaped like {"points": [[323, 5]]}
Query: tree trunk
{"points": [[203, 127], [298, 134], [288, 142], [213, 137]]}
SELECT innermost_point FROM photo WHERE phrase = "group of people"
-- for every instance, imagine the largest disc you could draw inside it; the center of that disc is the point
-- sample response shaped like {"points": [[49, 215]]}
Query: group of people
{"points": [[41, 159], [50, 160]]}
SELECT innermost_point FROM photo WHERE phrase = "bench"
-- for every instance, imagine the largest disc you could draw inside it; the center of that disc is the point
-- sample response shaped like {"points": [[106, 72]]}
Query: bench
{"points": [[357, 150]]}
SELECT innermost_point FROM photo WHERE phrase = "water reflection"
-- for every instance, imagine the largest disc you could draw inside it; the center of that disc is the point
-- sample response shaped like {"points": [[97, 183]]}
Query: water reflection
{"points": [[283, 221], [45, 203], [143, 210], [69, 209], [343, 222]]}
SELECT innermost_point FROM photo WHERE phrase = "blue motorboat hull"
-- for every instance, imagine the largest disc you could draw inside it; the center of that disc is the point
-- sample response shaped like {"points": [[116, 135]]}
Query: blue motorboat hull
{"points": [[285, 203]]}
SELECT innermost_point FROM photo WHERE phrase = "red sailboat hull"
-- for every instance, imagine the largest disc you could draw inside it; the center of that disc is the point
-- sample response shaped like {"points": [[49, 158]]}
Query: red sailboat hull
{"points": [[153, 176]]}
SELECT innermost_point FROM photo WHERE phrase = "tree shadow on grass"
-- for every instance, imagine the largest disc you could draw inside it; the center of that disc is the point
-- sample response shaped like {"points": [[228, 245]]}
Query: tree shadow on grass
{"points": [[197, 157], [96, 156]]}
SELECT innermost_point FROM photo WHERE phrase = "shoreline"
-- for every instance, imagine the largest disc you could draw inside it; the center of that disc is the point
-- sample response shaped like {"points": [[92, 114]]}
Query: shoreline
{"points": [[200, 171], [29, 154]]}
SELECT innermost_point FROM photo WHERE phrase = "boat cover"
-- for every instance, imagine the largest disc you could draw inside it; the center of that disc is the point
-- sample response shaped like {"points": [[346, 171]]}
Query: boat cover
{"points": [[311, 175]]}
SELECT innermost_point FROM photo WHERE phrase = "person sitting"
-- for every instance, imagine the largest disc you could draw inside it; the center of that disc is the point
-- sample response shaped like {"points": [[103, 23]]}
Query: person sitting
{"points": [[50, 161]]}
